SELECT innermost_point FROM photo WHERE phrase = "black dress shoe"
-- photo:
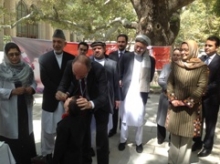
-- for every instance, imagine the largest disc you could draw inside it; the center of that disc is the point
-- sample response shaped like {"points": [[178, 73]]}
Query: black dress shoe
{"points": [[121, 146], [204, 152], [48, 159], [139, 148], [160, 141], [196, 146], [38, 160], [111, 133]]}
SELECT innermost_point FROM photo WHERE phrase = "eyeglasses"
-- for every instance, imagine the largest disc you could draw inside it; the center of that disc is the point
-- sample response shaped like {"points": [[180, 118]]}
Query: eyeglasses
{"points": [[14, 54]]}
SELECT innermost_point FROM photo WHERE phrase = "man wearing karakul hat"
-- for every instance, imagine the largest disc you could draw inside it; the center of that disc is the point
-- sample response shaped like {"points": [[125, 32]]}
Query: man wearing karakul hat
{"points": [[52, 65], [136, 72]]}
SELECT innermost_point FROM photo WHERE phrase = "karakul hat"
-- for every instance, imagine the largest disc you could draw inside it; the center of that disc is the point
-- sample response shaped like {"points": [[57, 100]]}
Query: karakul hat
{"points": [[98, 43], [59, 34]]}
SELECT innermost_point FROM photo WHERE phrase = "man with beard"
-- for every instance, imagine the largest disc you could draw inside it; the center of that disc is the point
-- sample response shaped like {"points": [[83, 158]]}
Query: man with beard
{"points": [[110, 66], [52, 66], [122, 41], [136, 72]]}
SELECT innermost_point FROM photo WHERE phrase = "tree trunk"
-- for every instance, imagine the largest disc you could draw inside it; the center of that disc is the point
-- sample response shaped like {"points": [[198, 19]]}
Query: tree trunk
{"points": [[159, 19]]}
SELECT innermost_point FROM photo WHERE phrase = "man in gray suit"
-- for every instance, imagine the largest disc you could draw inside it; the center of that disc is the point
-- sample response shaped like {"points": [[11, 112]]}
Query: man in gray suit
{"points": [[136, 72], [110, 67]]}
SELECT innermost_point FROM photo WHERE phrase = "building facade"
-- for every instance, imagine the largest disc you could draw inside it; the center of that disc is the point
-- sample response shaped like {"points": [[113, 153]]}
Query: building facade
{"points": [[38, 30]]}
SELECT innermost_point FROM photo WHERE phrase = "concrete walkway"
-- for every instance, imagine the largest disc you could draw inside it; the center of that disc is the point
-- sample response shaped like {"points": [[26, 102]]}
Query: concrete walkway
{"points": [[152, 154]]}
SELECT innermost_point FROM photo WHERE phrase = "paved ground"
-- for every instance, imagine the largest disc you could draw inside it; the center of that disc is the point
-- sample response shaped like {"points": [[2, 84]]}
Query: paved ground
{"points": [[152, 154]]}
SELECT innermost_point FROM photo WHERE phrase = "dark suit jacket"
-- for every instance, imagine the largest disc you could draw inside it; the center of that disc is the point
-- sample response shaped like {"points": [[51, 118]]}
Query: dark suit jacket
{"points": [[213, 89], [50, 75], [69, 140], [126, 69], [114, 55], [113, 78], [96, 86]]}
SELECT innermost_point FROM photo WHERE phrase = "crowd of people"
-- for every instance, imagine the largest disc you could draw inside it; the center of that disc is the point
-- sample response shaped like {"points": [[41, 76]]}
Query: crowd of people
{"points": [[111, 91]]}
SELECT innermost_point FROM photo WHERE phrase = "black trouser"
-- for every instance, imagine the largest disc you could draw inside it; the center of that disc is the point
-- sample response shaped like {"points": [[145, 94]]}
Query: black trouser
{"points": [[161, 133], [210, 108], [115, 120], [102, 145]]}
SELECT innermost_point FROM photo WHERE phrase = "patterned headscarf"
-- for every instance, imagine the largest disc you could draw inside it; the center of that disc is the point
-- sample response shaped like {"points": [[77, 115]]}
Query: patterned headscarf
{"points": [[20, 72]]}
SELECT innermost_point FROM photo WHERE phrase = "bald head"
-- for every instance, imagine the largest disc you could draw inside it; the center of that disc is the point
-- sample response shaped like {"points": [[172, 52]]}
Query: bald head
{"points": [[81, 66]]}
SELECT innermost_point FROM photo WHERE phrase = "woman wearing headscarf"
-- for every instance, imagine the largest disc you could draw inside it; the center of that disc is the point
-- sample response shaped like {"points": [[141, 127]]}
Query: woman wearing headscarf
{"points": [[163, 101], [186, 85], [17, 87]]}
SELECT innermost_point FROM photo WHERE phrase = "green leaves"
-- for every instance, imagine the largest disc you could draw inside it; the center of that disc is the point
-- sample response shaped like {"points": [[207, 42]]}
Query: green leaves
{"points": [[199, 20]]}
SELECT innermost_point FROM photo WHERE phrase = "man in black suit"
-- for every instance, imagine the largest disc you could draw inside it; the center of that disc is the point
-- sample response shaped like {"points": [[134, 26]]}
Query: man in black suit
{"points": [[136, 72], [52, 66], [89, 80], [83, 48], [122, 41], [210, 103]]}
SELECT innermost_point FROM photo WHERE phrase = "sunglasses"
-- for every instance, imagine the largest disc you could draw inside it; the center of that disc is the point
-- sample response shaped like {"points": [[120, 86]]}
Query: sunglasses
{"points": [[14, 54]]}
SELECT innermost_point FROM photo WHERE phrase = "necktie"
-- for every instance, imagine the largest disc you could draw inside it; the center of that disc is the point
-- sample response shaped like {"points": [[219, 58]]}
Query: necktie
{"points": [[120, 53], [82, 87], [207, 60]]}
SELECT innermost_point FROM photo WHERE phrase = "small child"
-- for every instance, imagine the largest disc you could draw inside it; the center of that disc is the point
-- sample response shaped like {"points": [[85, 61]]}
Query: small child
{"points": [[70, 134]]}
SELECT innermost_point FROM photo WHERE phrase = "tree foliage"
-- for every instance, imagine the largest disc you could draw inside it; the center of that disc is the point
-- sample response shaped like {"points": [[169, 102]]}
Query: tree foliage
{"points": [[92, 18], [200, 20], [104, 19]]}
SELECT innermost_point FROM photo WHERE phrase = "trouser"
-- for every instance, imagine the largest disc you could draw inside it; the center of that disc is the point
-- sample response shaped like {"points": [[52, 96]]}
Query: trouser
{"points": [[161, 133], [47, 142], [124, 134], [180, 150], [115, 120], [210, 109], [102, 144]]}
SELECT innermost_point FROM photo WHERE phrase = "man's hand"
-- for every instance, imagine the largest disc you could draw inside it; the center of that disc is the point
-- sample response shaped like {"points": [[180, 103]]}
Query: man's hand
{"points": [[18, 91], [83, 103], [66, 104], [61, 96], [117, 104]]}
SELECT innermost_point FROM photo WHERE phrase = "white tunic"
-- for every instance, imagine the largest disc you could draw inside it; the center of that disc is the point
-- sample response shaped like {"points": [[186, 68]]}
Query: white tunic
{"points": [[132, 109], [50, 119]]}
